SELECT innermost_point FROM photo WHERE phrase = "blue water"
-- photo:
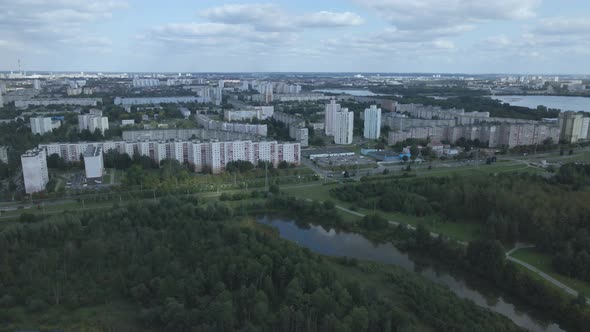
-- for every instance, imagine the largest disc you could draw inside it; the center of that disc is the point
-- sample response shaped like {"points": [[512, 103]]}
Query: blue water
{"points": [[560, 102]]}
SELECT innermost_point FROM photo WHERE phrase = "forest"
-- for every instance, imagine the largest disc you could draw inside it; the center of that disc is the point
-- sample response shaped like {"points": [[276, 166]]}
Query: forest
{"points": [[551, 213], [185, 265]]}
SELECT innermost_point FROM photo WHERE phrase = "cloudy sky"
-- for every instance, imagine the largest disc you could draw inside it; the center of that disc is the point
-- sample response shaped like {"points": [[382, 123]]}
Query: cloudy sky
{"points": [[468, 36]]}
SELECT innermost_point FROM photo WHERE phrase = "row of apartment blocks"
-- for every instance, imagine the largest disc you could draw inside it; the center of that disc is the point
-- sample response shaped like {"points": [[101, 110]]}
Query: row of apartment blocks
{"points": [[297, 129], [215, 155], [57, 101], [256, 112], [160, 100], [495, 135], [207, 123]]}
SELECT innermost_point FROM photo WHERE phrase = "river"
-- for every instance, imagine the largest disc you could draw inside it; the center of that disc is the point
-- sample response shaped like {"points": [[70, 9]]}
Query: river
{"points": [[333, 243], [560, 102]]}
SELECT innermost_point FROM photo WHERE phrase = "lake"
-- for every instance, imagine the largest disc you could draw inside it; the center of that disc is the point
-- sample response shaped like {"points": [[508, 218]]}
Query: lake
{"points": [[333, 243], [561, 102], [358, 93]]}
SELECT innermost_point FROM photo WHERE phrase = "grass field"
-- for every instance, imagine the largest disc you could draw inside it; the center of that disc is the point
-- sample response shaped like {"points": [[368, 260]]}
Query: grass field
{"points": [[543, 263], [121, 315], [457, 230]]}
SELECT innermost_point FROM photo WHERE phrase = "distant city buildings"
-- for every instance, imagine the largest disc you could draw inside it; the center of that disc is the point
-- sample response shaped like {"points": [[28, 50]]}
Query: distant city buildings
{"points": [[207, 123], [42, 125], [257, 112], [57, 101], [160, 100], [372, 120], [93, 162], [343, 126], [93, 121], [202, 155], [35, 172], [146, 82]]}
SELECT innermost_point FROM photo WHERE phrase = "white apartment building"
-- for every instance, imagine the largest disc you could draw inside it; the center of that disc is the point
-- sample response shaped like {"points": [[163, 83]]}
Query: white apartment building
{"points": [[93, 121], [571, 126], [257, 112], [35, 173], [37, 85], [372, 122], [160, 100], [93, 162], [330, 116], [343, 126], [41, 125], [58, 101], [4, 154], [200, 154], [584, 128], [145, 82]]}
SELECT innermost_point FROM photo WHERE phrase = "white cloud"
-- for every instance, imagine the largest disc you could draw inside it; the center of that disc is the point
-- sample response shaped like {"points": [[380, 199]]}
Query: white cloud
{"points": [[35, 23], [434, 14], [562, 26], [271, 17], [328, 19]]}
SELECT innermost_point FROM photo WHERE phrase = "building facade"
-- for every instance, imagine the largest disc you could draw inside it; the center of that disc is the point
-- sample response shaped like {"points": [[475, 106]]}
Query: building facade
{"points": [[214, 155], [93, 162], [35, 172], [343, 126], [42, 125], [372, 122], [331, 109]]}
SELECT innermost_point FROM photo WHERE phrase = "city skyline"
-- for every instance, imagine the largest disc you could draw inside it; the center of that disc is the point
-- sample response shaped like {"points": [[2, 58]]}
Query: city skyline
{"points": [[528, 37]]}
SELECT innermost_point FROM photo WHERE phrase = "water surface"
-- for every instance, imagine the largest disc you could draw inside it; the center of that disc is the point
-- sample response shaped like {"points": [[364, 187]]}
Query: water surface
{"points": [[333, 243]]}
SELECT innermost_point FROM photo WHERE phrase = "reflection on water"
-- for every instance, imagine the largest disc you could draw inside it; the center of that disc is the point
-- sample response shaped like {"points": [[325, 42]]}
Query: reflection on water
{"points": [[333, 243]]}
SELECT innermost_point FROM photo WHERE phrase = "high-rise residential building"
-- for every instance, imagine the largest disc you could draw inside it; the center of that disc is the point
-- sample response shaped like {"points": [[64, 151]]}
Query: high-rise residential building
{"points": [[331, 110], [37, 85], [570, 124], [41, 125], [372, 122], [92, 121], [4, 154], [584, 128], [35, 173], [343, 126], [219, 92], [1, 100], [93, 162]]}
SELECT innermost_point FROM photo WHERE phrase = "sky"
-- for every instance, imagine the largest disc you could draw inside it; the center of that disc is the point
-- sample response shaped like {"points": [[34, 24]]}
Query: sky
{"points": [[434, 36]]}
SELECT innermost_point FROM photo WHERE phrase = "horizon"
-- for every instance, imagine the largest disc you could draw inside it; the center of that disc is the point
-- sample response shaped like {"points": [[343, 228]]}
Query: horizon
{"points": [[529, 37]]}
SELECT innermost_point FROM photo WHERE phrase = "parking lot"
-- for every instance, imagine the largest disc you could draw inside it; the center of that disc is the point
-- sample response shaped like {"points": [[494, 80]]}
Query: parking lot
{"points": [[348, 162]]}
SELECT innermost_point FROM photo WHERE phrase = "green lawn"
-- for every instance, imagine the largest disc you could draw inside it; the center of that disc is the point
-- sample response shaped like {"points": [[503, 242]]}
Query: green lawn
{"points": [[543, 262]]}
